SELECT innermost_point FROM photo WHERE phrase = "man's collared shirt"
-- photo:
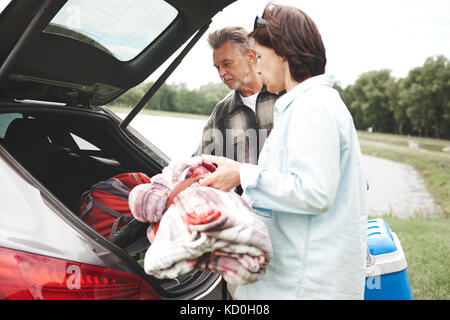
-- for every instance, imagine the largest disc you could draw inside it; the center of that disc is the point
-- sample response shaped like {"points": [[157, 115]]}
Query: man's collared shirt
{"points": [[237, 132], [309, 188]]}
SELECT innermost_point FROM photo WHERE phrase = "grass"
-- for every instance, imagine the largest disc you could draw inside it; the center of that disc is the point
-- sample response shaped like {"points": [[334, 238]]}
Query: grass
{"points": [[425, 241], [424, 143], [426, 244]]}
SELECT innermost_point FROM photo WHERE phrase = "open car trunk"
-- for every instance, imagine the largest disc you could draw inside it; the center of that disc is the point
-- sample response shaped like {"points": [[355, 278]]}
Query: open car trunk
{"points": [[67, 144], [69, 149]]}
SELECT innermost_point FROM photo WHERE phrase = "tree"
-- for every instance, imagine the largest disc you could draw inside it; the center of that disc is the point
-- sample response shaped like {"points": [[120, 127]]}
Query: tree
{"points": [[402, 122], [436, 81], [353, 106], [210, 94], [426, 92], [369, 101]]}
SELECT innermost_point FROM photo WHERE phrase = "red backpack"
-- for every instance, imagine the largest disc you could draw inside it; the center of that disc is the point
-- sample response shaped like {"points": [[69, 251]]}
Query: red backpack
{"points": [[105, 206]]}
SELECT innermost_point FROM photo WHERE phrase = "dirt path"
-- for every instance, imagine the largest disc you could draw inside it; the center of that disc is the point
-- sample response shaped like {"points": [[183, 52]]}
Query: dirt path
{"points": [[395, 188]]}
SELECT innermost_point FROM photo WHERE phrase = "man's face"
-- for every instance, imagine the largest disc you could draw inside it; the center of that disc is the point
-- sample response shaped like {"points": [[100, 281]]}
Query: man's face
{"points": [[233, 66]]}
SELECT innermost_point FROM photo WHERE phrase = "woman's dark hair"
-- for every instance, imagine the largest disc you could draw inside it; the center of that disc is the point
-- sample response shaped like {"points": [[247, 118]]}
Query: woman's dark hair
{"points": [[292, 34]]}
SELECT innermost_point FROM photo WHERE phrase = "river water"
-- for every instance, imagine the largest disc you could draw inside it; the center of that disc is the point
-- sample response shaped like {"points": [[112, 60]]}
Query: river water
{"points": [[394, 188]]}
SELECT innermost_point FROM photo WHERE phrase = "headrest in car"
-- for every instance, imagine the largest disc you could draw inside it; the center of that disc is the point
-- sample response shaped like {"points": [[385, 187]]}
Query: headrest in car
{"points": [[25, 132]]}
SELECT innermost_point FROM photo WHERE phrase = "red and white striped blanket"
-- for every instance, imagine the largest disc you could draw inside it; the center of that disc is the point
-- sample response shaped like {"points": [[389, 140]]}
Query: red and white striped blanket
{"points": [[205, 228]]}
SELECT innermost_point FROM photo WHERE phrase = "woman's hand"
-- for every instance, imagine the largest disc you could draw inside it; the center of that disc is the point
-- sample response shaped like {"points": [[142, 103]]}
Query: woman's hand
{"points": [[226, 177]]}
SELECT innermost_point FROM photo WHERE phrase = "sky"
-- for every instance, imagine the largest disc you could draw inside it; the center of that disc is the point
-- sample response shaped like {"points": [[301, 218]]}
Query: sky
{"points": [[359, 36]]}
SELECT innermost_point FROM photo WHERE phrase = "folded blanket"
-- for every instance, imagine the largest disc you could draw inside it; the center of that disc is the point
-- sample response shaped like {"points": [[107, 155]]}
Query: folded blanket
{"points": [[205, 228]]}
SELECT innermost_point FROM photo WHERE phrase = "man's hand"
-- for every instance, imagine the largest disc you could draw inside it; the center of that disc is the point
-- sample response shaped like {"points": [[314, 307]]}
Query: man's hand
{"points": [[226, 177]]}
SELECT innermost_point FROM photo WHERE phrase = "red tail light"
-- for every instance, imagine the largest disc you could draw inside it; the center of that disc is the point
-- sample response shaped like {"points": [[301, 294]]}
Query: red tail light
{"points": [[25, 276]]}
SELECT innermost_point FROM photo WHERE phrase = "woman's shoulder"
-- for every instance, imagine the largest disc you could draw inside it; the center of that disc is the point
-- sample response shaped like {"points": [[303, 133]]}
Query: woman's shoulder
{"points": [[322, 99], [319, 96]]}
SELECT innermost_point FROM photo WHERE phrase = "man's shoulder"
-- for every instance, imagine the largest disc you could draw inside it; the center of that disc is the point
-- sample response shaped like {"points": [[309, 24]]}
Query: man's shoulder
{"points": [[227, 99], [223, 105]]}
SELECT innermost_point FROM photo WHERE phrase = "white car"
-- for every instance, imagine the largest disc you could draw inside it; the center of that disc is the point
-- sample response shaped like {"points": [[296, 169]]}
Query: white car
{"points": [[60, 63]]}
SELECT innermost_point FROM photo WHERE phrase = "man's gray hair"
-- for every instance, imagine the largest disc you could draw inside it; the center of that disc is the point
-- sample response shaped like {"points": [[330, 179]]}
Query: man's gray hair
{"points": [[237, 35]]}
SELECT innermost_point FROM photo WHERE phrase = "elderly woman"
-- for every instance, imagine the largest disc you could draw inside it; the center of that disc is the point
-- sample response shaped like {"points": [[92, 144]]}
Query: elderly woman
{"points": [[308, 185]]}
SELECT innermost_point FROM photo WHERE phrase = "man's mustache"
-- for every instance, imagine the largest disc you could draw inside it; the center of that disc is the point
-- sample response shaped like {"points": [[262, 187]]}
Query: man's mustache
{"points": [[225, 78]]}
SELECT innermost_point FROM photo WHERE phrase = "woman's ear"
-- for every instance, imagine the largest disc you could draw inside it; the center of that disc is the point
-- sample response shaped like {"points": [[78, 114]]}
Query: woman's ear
{"points": [[282, 58]]}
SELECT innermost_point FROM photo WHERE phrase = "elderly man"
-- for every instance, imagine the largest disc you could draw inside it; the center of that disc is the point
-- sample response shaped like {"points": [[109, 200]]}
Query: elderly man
{"points": [[241, 122]]}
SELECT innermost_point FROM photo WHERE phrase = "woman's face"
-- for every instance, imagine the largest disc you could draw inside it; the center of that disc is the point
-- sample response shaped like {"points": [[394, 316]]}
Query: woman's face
{"points": [[271, 67]]}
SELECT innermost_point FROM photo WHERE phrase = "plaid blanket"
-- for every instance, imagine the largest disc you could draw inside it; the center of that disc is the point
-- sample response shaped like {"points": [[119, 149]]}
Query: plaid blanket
{"points": [[205, 228]]}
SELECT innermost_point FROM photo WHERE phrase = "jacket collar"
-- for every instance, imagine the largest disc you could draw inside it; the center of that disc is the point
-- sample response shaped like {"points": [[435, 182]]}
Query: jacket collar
{"points": [[236, 99]]}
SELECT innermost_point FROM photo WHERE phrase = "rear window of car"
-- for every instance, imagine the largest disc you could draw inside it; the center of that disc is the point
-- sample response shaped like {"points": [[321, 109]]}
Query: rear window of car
{"points": [[3, 4], [5, 120], [122, 28]]}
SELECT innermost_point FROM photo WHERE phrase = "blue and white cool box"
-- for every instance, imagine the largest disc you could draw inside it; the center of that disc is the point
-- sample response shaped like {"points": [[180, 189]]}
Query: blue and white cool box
{"points": [[386, 273]]}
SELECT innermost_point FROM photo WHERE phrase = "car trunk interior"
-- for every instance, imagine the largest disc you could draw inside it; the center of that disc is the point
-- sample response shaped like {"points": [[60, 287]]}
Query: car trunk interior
{"points": [[70, 149], [50, 145]]}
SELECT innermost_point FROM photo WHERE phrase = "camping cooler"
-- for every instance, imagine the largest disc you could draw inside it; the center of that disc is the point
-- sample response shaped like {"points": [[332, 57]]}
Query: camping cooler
{"points": [[386, 273]]}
